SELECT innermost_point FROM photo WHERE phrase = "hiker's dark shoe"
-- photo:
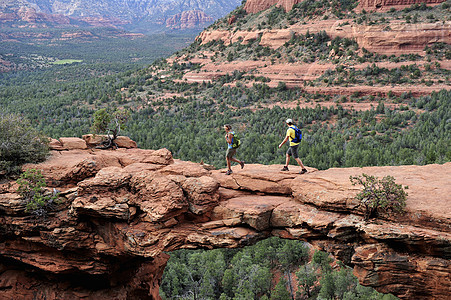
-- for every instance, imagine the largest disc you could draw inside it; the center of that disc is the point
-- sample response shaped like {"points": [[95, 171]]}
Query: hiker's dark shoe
{"points": [[303, 171], [285, 168], [229, 172], [242, 164]]}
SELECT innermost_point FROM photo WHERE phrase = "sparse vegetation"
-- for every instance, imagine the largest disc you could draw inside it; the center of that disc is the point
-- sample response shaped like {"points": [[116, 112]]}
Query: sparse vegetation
{"points": [[20, 143], [110, 123], [32, 189], [380, 76], [380, 197]]}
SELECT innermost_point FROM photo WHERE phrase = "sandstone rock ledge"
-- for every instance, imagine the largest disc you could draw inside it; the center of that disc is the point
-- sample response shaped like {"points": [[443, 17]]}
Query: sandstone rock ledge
{"points": [[121, 210]]}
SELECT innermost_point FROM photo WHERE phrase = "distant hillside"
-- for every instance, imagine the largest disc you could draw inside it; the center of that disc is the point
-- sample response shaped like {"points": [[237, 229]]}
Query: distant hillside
{"points": [[136, 15]]}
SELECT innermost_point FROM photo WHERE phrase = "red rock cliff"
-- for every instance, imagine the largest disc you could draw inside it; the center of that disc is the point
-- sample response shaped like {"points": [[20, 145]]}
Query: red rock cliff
{"points": [[381, 4], [188, 19], [255, 6], [119, 211]]}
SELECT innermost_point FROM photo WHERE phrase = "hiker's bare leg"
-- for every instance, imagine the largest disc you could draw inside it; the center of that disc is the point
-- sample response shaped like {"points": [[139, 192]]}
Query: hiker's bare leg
{"points": [[229, 167], [287, 161], [300, 162], [235, 160]]}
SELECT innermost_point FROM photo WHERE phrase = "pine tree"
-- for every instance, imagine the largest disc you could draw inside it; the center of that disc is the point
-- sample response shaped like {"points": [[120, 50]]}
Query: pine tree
{"points": [[280, 291]]}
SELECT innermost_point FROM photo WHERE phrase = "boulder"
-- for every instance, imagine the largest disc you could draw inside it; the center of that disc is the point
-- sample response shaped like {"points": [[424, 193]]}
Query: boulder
{"points": [[93, 140], [55, 145], [125, 142], [72, 143]]}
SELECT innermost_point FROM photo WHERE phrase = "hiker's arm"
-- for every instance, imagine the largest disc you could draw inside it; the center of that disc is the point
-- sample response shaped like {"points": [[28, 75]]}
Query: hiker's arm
{"points": [[284, 141], [229, 137]]}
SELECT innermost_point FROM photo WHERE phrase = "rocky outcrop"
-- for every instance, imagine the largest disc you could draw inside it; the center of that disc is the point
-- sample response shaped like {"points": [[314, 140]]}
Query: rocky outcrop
{"points": [[30, 15], [119, 211], [189, 19], [387, 4], [255, 6], [89, 141], [398, 39], [296, 74]]}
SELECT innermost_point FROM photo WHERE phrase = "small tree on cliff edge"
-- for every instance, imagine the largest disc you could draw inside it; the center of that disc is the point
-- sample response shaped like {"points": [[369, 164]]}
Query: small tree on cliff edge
{"points": [[380, 196], [110, 123]]}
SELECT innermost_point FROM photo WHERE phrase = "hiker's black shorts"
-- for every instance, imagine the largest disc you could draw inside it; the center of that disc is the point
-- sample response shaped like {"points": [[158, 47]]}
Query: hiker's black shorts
{"points": [[293, 151]]}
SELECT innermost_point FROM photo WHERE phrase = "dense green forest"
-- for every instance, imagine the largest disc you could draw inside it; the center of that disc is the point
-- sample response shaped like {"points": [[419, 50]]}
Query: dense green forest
{"points": [[274, 269], [60, 102], [332, 137]]}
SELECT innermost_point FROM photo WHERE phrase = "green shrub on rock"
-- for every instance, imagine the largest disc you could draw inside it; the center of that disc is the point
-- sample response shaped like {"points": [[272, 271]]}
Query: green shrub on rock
{"points": [[380, 196], [32, 188], [19, 144], [110, 122]]}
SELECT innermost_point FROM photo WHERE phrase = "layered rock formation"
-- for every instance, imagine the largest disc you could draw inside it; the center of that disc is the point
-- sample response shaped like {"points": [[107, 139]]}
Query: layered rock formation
{"points": [[30, 15], [189, 19], [386, 4], [400, 39], [255, 6], [119, 211]]}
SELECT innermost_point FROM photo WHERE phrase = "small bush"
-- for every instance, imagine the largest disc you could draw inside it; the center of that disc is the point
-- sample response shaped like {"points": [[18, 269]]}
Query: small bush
{"points": [[110, 122], [19, 144], [32, 189], [380, 197]]}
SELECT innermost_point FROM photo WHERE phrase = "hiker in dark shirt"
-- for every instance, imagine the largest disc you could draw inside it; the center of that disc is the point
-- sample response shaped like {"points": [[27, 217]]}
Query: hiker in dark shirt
{"points": [[293, 149]]}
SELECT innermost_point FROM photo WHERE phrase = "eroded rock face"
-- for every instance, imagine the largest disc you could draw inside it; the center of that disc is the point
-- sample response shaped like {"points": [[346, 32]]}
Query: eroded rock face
{"points": [[120, 211], [400, 39], [30, 15], [386, 4], [189, 19], [255, 6]]}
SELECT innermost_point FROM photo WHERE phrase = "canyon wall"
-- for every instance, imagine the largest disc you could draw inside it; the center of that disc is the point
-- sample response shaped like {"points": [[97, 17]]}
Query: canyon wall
{"points": [[188, 19], [399, 39], [119, 211], [255, 6], [386, 4], [30, 15]]}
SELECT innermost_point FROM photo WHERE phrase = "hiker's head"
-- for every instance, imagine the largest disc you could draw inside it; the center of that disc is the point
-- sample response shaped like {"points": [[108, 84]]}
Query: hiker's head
{"points": [[227, 127], [289, 122]]}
